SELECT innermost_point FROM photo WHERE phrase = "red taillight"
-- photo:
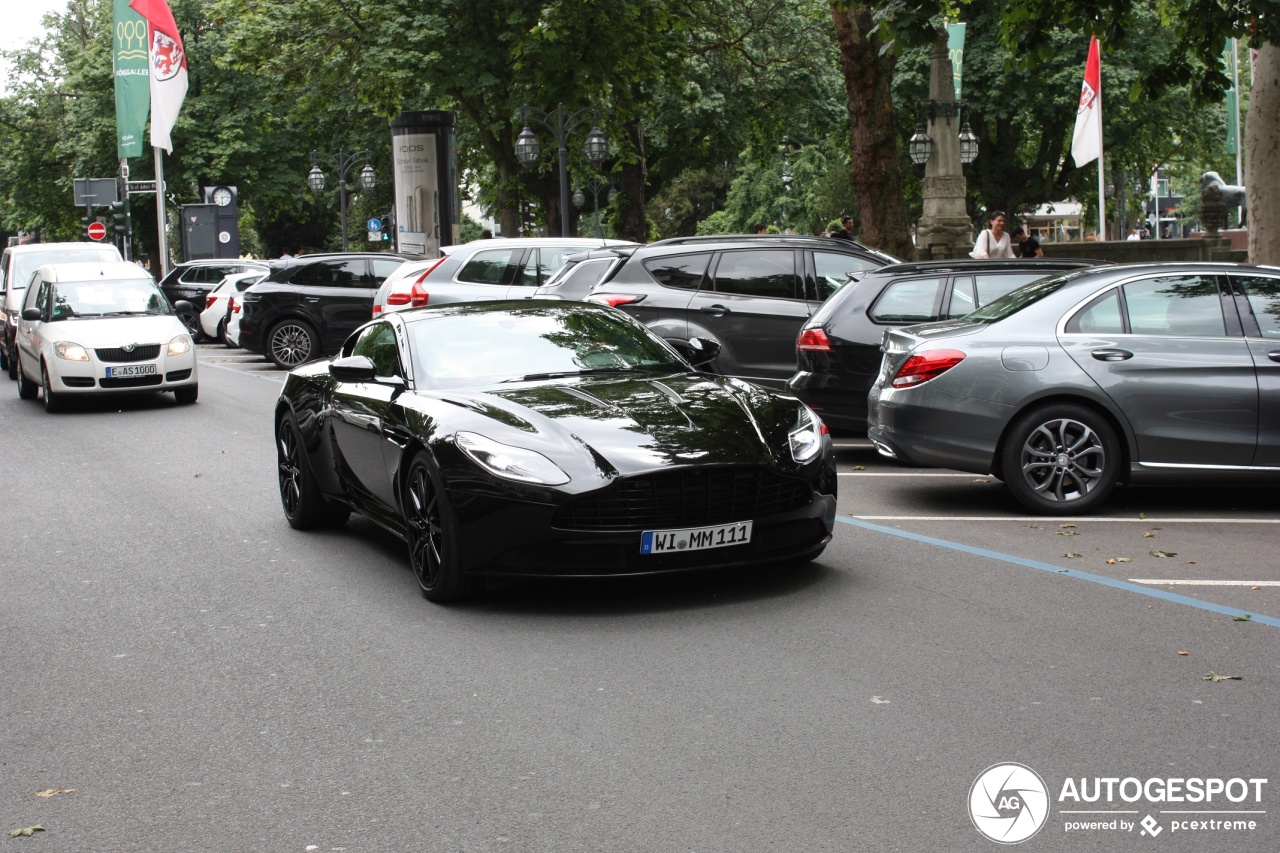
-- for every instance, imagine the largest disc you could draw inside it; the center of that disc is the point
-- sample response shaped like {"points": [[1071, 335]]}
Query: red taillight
{"points": [[616, 299], [395, 299], [919, 369], [418, 296], [209, 300], [235, 309], [813, 340]]}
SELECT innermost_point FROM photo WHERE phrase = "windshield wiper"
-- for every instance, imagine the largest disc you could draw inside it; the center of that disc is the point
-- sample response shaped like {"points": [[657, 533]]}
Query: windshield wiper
{"points": [[589, 371]]}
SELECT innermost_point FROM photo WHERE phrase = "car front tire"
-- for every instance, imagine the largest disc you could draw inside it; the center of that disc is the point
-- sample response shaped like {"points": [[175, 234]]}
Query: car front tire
{"points": [[187, 394], [305, 507], [291, 343], [192, 321], [1061, 459], [27, 390], [52, 402], [433, 535]]}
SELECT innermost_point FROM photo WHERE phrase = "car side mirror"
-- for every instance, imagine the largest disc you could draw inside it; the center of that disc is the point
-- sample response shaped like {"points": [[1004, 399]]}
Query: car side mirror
{"points": [[32, 314], [353, 368], [703, 351]]}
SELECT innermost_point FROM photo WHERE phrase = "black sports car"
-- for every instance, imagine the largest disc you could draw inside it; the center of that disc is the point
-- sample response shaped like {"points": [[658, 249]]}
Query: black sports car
{"points": [[549, 438]]}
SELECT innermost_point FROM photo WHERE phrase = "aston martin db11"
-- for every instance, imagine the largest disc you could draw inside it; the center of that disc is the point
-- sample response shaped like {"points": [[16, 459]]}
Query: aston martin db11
{"points": [[530, 438]]}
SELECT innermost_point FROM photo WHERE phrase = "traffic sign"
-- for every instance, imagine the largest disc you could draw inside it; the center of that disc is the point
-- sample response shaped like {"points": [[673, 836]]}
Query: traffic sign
{"points": [[96, 231], [375, 224], [142, 187]]}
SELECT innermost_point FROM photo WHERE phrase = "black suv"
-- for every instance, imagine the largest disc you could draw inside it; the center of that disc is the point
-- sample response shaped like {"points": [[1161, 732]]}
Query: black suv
{"points": [[195, 280], [838, 349], [308, 305], [750, 294]]}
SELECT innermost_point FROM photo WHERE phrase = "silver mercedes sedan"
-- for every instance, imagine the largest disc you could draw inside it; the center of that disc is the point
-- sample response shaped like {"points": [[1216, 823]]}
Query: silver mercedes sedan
{"points": [[1153, 373]]}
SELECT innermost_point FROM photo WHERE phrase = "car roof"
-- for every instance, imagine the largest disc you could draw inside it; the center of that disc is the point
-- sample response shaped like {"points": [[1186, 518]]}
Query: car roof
{"points": [[89, 270], [585, 242], [23, 248], [970, 265], [754, 241], [204, 262]]}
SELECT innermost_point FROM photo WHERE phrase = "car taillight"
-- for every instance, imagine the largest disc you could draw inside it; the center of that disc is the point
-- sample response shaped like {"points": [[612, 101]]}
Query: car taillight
{"points": [[233, 307], [813, 340], [616, 299], [396, 299], [418, 296], [209, 300], [920, 368]]}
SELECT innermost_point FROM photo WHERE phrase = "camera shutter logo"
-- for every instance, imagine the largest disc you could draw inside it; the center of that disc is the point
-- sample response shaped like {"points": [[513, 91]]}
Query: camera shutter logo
{"points": [[1008, 803]]}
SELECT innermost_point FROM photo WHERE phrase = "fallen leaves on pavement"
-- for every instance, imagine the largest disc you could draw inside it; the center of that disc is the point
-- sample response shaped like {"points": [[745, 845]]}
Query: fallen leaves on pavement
{"points": [[53, 792], [26, 830], [1163, 553], [1215, 677]]}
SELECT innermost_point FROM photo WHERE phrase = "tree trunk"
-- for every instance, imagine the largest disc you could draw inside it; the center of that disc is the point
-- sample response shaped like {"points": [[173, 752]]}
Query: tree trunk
{"points": [[632, 222], [874, 173], [1262, 158]]}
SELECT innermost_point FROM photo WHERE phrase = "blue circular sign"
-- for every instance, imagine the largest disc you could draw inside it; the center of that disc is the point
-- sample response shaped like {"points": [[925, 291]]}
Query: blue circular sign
{"points": [[375, 224]]}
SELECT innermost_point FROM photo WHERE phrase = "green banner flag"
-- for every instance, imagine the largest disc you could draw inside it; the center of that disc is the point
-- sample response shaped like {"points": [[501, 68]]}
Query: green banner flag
{"points": [[955, 47], [133, 80], [1233, 104]]}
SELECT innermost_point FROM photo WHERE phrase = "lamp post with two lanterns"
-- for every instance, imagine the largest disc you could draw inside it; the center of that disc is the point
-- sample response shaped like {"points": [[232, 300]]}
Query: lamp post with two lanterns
{"points": [[561, 124], [595, 188], [342, 161]]}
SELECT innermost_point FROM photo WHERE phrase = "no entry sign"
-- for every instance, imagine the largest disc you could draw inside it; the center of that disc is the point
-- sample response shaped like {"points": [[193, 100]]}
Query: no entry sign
{"points": [[97, 231]]}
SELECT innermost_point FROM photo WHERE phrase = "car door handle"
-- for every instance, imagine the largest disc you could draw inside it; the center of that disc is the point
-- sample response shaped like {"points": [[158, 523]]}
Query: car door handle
{"points": [[715, 310], [312, 298], [1112, 354], [1274, 355]]}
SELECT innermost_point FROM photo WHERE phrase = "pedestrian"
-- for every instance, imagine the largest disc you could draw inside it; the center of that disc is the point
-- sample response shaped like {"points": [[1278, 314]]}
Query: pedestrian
{"points": [[286, 254], [845, 231], [1136, 234], [486, 234], [994, 241], [760, 229], [1028, 246]]}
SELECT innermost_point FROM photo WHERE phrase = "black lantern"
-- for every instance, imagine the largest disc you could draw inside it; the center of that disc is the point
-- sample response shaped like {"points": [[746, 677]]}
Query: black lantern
{"points": [[527, 147], [315, 179], [596, 147], [367, 178], [968, 145], [920, 147]]}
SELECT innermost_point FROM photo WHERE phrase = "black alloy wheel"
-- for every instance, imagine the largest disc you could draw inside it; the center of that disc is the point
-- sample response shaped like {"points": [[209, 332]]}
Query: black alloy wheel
{"points": [[52, 402], [192, 321], [27, 390], [1061, 459], [305, 508], [432, 535], [291, 343]]}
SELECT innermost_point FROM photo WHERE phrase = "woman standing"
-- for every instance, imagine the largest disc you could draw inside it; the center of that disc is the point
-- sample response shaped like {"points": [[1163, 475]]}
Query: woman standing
{"points": [[993, 242]]}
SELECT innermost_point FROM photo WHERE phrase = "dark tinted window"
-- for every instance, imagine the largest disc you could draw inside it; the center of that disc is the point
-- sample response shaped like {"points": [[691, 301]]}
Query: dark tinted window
{"points": [[910, 301], [378, 344], [1100, 317], [767, 272], [680, 271], [492, 266], [1175, 305], [332, 274], [832, 270], [1264, 299]]}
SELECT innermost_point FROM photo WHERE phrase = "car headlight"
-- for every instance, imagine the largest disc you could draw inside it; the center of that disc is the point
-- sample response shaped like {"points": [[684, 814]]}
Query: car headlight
{"points": [[806, 438], [512, 463], [70, 351], [180, 345]]}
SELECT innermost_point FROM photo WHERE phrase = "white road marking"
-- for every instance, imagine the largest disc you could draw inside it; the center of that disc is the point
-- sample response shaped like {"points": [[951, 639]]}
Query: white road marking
{"points": [[1057, 519], [1189, 582]]}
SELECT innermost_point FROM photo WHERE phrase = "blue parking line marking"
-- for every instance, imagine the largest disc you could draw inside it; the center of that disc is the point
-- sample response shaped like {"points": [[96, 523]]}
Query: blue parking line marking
{"points": [[1071, 573]]}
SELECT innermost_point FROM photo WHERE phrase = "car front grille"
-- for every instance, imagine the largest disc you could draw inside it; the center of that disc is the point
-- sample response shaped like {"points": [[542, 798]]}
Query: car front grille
{"points": [[130, 381], [145, 352], [687, 498]]}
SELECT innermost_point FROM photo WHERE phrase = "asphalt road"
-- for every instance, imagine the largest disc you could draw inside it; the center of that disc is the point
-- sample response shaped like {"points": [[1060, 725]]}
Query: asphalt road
{"points": [[206, 678]]}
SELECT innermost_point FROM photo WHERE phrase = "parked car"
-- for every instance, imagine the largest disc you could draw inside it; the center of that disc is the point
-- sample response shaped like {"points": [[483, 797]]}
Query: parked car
{"points": [[398, 290], [193, 281], [549, 438], [749, 294], [1152, 373], [101, 328], [498, 268], [18, 264], [582, 271], [213, 319], [838, 349], [307, 306]]}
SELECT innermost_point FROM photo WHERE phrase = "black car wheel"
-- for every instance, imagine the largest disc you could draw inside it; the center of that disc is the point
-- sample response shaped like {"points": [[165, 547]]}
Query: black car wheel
{"points": [[291, 343], [192, 321], [52, 402], [305, 507], [187, 394], [27, 389], [13, 363], [1061, 459], [4, 358], [222, 332], [432, 532]]}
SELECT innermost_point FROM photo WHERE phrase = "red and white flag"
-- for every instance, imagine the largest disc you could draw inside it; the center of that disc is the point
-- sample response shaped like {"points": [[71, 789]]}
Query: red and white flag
{"points": [[1086, 142], [168, 68]]}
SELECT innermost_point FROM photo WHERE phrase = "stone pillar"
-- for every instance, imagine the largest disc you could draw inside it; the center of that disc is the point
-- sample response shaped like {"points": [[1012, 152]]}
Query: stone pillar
{"points": [[944, 230]]}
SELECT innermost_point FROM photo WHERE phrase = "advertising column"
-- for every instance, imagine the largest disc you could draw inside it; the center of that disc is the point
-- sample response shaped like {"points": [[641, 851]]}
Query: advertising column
{"points": [[425, 182]]}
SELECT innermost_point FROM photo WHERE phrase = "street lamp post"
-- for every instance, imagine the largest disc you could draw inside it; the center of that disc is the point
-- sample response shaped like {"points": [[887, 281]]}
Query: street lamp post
{"points": [[342, 161], [561, 124], [595, 188]]}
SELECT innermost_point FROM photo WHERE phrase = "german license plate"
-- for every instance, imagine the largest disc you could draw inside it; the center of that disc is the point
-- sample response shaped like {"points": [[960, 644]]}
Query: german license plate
{"points": [[131, 370], [695, 538]]}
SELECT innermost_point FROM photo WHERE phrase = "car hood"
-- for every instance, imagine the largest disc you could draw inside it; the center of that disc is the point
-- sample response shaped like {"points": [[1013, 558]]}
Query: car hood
{"points": [[625, 425], [115, 331]]}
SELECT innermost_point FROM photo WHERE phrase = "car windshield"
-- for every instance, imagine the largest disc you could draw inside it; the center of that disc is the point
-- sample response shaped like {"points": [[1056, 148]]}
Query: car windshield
{"points": [[481, 346], [107, 298], [1015, 300]]}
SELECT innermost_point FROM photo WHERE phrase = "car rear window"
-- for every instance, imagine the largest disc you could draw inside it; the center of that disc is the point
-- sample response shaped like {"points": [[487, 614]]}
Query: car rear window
{"points": [[492, 266], [912, 300]]}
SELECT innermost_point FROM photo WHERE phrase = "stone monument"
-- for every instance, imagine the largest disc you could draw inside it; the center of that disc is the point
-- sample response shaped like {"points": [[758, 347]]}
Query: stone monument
{"points": [[944, 230]]}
